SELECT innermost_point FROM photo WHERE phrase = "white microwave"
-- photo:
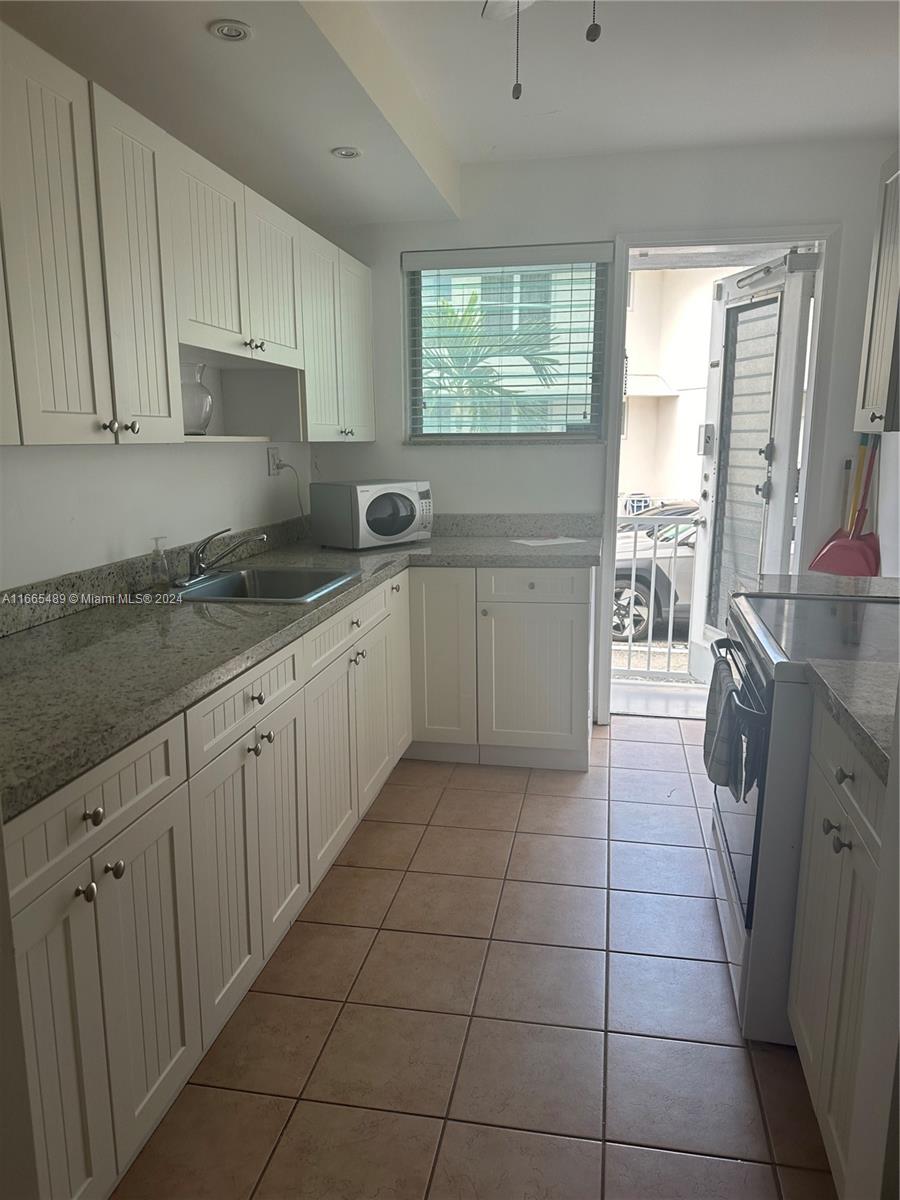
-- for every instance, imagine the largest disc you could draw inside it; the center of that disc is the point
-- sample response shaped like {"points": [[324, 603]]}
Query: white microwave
{"points": [[356, 516]]}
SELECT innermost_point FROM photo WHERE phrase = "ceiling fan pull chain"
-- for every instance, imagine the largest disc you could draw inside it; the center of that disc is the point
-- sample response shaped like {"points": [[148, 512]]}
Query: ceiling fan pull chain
{"points": [[593, 30], [517, 87]]}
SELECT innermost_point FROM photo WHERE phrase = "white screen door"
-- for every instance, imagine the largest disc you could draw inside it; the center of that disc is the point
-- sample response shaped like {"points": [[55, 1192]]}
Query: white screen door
{"points": [[758, 350]]}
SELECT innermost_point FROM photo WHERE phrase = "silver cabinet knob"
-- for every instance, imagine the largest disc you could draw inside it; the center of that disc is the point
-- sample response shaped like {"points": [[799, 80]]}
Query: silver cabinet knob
{"points": [[352, 432], [250, 344], [116, 869], [261, 346], [531, 587], [873, 417], [89, 891], [112, 426], [484, 612], [259, 697], [362, 653], [343, 432], [395, 587], [355, 622], [357, 658], [95, 816], [132, 426], [843, 776], [837, 845], [257, 749], [829, 826], [268, 737]]}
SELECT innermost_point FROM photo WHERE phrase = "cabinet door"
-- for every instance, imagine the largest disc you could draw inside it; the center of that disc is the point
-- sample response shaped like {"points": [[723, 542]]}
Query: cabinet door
{"points": [[148, 960], [533, 675], [132, 159], [210, 236], [442, 643], [371, 677], [55, 940], [225, 845], [357, 378], [879, 350], [52, 247], [273, 267], [330, 753], [321, 317], [283, 847], [399, 664], [817, 901], [843, 1028], [9, 407]]}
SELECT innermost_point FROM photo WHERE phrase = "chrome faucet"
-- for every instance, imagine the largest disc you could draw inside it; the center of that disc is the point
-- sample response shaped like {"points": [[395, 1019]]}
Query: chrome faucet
{"points": [[198, 565]]}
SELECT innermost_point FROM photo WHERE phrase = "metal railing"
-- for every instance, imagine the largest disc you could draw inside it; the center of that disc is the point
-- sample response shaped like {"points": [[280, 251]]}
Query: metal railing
{"points": [[651, 610]]}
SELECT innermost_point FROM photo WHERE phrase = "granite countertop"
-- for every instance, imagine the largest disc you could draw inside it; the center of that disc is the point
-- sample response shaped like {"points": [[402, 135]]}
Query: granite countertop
{"points": [[861, 696], [79, 689]]}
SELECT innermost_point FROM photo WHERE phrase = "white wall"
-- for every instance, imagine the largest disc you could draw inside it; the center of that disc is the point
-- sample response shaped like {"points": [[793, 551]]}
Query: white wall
{"points": [[68, 507], [766, 190]]}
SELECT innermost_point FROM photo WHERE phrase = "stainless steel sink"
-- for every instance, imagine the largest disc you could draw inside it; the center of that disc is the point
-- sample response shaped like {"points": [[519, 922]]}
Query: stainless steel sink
{"points": [[267, 585]]}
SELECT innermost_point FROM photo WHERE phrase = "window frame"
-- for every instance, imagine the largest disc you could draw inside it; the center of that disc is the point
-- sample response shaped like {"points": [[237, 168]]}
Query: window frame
{"points": [[485, 258]]}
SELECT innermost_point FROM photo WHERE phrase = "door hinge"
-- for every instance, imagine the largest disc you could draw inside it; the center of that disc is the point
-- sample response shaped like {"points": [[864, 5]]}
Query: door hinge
{"points": [[764, 489], [768, 450]]}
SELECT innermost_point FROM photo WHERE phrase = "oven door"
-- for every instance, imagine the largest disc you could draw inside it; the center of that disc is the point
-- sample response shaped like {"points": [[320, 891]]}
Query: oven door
{"points": [[388, 514], [739, 806]]}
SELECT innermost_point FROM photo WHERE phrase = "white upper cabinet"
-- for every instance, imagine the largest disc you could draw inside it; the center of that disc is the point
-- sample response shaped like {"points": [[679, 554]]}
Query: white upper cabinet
{"points": [[9, 409], [357, 382], [52, 246], [273, 263], [132, 159], [210, 256], [321, 317], [879, 350]]}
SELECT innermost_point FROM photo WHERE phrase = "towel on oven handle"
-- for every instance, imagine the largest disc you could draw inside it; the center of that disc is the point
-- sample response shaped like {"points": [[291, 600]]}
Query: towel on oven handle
{"points": [[722, 731]]}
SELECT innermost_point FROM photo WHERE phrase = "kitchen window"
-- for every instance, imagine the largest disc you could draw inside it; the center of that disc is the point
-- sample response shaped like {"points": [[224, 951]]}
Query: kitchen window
{"points": [[506, 344]]}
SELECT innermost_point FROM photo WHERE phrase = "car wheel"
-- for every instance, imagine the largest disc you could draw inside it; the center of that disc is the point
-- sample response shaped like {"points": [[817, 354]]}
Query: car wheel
{"points": [[631, 612]]}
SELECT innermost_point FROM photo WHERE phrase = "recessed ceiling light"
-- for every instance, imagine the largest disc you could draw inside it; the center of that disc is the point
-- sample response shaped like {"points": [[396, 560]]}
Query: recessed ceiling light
{"points": [[346, 152], [230, 31]]}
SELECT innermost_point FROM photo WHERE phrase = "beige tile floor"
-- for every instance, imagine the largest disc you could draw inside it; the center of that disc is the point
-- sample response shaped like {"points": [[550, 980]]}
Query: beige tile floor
{"points": [[510, 986]]}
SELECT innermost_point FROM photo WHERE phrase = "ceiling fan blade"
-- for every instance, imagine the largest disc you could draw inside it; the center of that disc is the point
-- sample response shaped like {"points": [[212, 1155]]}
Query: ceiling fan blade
{"points": [[502, 10]]}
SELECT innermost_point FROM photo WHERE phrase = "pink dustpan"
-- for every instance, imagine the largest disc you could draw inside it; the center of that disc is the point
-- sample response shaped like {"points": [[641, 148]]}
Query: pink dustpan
{"points": [[853, 553]]}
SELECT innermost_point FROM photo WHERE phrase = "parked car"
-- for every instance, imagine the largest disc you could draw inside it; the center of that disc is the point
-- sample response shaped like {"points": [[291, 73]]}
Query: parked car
{"points": [[634, 570]]}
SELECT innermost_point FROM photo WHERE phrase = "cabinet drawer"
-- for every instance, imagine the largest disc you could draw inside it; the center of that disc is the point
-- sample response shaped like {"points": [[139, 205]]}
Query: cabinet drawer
{"points": [[550, 585], [323, 644], [851, 778], [215, 722], [54, 836]]}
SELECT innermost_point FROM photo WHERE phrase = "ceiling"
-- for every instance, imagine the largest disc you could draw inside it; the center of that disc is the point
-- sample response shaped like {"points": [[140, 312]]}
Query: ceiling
{"points": [[670, 74], [267, 110], [421, 87]]}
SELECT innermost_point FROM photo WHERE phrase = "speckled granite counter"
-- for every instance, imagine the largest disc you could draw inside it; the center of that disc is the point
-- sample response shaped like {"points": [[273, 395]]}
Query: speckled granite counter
{"points": [[76, 690], [861, 697]]}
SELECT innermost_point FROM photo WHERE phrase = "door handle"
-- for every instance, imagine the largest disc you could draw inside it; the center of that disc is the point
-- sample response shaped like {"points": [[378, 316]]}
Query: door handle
{"points": [[699, 522]]}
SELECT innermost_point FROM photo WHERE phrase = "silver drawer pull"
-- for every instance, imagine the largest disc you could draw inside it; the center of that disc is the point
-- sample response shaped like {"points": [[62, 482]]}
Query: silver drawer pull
{"points": [[829, 827], [355, 622], [395, 587], [268, 737], [260, 697], [837, 845], [89, 892], [843, 776], [132, 426], [95, 816], [257, 749], [116, 869]]}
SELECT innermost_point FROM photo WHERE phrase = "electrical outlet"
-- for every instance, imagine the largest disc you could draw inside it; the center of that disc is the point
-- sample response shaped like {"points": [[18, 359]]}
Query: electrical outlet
{"points": [[274, 459]]}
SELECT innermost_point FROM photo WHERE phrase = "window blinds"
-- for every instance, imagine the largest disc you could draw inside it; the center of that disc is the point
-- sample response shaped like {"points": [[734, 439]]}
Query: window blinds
{"points": [[501, 349]]}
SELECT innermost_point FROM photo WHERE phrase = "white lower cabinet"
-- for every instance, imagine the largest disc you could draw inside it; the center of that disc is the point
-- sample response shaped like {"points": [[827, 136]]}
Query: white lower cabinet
{"points": [[832, 937], [225, 846], [442, 630], [371, 682], [148, 961], [57, 963], [330, 771], [533, 675], [283, 841], [400, 664]]}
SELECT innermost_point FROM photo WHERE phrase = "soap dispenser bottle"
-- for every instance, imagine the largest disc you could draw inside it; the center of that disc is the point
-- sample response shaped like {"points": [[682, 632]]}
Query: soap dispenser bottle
{"points": [[159, 566]]}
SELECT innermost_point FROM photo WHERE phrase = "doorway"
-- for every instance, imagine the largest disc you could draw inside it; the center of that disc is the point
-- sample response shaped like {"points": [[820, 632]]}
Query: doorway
{"points": [[717, 346]]}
